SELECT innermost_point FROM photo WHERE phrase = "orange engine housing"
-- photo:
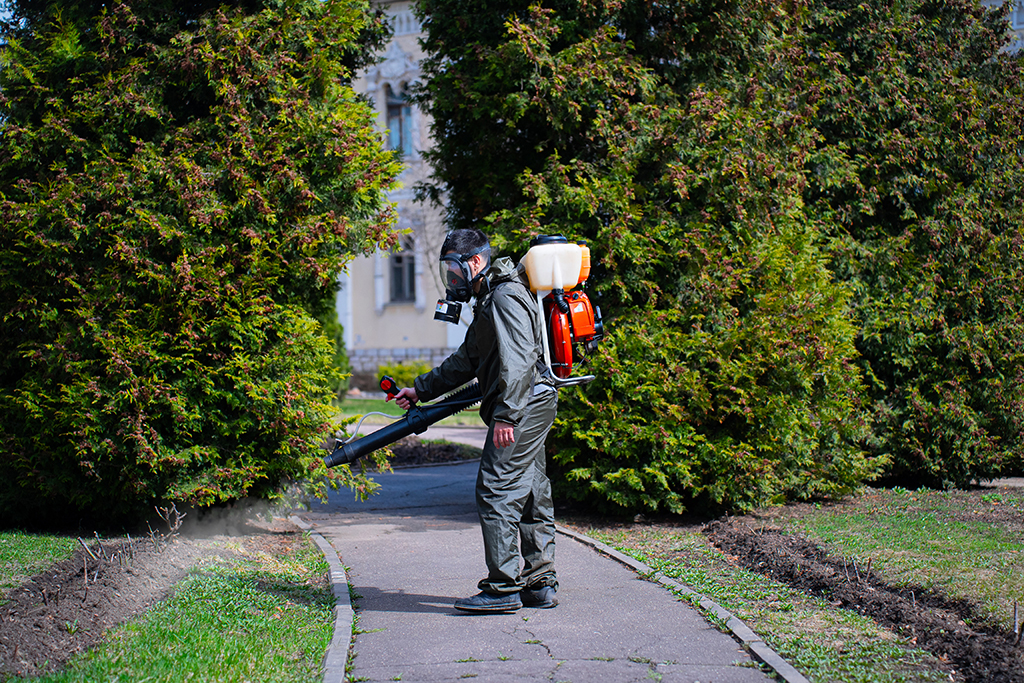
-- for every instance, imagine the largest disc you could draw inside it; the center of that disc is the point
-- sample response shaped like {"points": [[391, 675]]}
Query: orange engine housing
{"points": [[579, 324]]}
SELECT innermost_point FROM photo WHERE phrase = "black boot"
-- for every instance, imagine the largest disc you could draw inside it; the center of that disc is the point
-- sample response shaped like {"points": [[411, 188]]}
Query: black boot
{"points": [[541, 596], [490, 602]]}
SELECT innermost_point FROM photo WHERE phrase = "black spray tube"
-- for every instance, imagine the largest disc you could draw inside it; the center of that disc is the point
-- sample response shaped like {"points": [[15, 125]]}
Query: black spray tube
{"points": [[415, 421]]}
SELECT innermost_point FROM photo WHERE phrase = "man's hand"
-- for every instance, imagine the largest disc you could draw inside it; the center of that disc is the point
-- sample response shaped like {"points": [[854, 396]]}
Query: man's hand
{"points": [[504, 434], [406, 398]]}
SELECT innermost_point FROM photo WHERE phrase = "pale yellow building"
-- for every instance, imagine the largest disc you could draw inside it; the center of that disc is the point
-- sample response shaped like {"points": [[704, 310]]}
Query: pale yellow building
{"points": [[386, 302]]}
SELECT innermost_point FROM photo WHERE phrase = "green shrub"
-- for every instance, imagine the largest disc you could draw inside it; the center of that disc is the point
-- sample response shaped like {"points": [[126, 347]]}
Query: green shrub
{"points": [[919, 172], [404, 373], [878, 141], [733, 386], [726, 379], [178, 193]]}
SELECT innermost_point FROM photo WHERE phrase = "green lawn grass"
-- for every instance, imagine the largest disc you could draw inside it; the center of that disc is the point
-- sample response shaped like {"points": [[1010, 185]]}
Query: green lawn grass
{"points": [[943, 540], [23, 555], [264, 618]]}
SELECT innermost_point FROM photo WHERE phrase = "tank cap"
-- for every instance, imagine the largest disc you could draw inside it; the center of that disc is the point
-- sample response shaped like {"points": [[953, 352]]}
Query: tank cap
{"points": [[548, 239]]}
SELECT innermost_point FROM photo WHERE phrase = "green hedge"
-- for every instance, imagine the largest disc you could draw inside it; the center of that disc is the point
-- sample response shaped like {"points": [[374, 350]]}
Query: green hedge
{"points": [[178, 192], [726, 379], [806, 224], [919, 174]]}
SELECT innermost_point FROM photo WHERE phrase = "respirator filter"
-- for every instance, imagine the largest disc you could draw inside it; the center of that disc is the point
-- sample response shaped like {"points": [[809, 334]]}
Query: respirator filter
{"points": [[448, 311]]}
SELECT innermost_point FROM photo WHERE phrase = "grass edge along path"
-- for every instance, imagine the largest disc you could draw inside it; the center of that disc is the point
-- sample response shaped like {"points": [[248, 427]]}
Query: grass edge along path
{"points": [[262, 617]]}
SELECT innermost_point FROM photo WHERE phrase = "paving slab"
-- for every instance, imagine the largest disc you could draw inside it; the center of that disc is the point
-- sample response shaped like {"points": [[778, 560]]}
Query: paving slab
{"points": [[410, 551]]}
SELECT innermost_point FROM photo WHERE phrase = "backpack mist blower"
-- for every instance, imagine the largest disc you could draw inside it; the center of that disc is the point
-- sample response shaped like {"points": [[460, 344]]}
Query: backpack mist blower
{"points": [[556, 270]]}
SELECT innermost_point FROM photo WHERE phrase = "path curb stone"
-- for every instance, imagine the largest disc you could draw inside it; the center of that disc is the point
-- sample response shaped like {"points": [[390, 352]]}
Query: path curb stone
{"points": [[336, 656]]}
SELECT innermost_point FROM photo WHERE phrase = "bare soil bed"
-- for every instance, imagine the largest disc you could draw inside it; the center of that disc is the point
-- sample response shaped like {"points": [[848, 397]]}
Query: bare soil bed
{"points": [[67, 609], [983, 652]]}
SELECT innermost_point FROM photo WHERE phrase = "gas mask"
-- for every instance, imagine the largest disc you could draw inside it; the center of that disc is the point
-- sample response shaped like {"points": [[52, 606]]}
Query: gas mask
{"points": [[458, 282]]}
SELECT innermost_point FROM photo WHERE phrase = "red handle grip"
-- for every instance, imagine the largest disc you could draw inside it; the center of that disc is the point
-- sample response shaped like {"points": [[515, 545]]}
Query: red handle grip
{"points": [[389, 386]]}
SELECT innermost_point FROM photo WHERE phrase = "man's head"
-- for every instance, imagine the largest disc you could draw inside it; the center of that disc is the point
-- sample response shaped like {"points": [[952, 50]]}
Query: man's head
{"points": [[464, 240], [465, 257]]}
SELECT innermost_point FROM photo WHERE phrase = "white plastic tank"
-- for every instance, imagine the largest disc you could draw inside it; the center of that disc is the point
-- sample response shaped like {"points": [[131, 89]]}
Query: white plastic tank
{"points": [[553, 263]]}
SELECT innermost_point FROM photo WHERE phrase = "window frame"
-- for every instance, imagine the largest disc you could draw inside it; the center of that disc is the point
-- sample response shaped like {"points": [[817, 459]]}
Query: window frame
{"points": [[402, 273], [398, 109]]}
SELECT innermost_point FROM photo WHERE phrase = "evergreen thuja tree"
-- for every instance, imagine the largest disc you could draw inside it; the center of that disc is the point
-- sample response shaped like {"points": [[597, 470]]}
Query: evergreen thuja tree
{"points": [[918, 173], [884, 137], [725, 379], [180, 186]]}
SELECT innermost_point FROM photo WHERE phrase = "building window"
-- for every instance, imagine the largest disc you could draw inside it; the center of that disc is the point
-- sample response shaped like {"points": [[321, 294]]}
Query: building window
{"points": [[403, 273], [399, 122], [405, 23], [1017, 16]]}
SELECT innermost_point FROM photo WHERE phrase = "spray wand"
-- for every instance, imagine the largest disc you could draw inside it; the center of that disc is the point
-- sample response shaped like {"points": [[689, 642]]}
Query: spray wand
{"points": [[415, 421]]}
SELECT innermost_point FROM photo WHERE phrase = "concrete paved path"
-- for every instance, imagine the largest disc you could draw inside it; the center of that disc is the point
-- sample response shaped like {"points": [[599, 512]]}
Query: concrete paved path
{"points": [[415, 548]]}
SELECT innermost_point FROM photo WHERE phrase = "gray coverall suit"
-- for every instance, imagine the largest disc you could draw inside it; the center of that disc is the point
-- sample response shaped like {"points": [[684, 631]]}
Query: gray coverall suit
{"points": [[503, 352]]}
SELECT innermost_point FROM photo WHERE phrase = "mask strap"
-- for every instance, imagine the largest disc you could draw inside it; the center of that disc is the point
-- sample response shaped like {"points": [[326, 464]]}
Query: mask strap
{"points": [[478, 250]]}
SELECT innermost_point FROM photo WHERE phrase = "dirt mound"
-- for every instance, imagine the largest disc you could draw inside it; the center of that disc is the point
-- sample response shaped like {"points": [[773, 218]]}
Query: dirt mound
{"points": [[67, 609], [982, 653]]}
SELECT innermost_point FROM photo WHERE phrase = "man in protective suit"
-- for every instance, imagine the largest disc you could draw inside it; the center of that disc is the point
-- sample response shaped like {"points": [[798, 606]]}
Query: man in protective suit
{"points": [[503, 351]]}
